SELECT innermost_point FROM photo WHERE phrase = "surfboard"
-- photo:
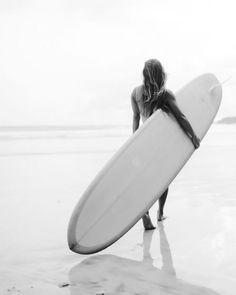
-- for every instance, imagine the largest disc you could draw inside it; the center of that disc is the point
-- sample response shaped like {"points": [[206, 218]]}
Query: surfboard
{"points": [[141, 170]]}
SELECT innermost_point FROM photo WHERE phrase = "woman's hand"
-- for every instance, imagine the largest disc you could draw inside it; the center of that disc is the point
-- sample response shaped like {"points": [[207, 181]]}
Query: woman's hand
{"points": [[195, 141]]}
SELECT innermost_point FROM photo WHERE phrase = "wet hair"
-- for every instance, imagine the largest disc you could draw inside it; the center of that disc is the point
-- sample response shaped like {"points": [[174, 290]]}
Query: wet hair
{"points": [[154, 78]]}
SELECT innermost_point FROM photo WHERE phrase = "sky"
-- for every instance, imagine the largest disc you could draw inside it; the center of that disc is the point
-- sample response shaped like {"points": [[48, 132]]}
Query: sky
{"points": [[72, 62]]}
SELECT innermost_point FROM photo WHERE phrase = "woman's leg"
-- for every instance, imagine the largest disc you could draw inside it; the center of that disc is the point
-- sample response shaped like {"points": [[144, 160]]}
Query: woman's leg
{"points": [[162, 201], [147, 223]]}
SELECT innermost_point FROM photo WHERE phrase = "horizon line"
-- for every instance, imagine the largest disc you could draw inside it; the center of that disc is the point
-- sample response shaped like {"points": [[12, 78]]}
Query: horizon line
{"points": [[54, 127], [61, 127]]}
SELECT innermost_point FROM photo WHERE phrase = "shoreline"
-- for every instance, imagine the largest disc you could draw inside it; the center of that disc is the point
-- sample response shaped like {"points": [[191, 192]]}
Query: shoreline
{"points": [[38, 194]]}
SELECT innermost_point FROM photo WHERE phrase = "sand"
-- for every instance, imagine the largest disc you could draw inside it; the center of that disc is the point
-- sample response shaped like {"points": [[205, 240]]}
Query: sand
{"points": [[42, 176]]}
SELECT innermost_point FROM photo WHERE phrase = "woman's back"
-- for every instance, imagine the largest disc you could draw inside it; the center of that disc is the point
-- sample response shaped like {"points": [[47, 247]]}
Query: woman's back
{"points": [[161, 103]]}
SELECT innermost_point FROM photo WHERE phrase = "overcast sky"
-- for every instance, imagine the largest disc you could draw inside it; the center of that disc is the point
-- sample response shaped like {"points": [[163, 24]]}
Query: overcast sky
{"points": [[76, 62]]}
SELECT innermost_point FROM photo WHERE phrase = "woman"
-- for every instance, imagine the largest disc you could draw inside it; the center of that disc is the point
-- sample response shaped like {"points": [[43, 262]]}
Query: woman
{"points": [[146, 99]]}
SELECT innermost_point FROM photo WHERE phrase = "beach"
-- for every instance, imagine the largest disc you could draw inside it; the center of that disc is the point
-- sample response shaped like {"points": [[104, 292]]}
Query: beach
{"points": [[43, 173]]}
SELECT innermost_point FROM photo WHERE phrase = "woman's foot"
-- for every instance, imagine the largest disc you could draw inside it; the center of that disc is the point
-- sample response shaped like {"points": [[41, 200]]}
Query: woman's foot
{"points": [[160, 216], [147, 223]]}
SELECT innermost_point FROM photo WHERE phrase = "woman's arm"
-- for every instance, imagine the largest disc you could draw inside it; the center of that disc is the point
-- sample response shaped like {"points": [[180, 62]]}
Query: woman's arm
{"points": [[136, 113], [182, 120]]}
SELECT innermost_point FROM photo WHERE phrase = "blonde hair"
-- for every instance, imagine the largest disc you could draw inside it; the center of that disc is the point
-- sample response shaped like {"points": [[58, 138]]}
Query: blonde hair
{"points": [[154, 78]]}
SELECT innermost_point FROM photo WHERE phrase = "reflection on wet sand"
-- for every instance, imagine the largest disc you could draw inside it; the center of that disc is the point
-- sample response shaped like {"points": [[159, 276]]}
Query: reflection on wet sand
{"points": [[110, 274], [167, 262]]}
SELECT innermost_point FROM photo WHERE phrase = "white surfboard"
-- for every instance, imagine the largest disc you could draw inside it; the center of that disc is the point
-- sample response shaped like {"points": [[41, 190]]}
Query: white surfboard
{"points": [[138, 174]]}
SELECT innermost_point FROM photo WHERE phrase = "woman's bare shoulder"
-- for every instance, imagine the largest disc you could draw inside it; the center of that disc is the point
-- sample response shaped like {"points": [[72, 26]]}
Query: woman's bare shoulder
{"points": [[137, 93]]}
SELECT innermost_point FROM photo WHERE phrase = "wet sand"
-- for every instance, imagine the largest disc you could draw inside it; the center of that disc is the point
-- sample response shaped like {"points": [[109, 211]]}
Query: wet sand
{"points": [[191, 252]]}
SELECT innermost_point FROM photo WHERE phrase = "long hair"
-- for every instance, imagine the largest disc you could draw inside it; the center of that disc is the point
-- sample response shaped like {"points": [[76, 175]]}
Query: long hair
{"points": [[154, 78]]}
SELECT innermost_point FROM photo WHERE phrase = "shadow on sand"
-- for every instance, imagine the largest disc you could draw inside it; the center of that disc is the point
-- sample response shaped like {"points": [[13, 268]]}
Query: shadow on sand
{"points": [[112, 275]]}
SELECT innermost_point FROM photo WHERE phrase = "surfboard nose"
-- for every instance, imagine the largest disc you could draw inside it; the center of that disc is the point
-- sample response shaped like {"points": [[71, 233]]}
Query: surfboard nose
{"points": [[72, 247], [80, 249]]}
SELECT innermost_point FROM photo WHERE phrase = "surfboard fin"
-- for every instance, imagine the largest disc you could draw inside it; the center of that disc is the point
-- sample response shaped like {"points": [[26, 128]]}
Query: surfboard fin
{"points": [[219, 84]]}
